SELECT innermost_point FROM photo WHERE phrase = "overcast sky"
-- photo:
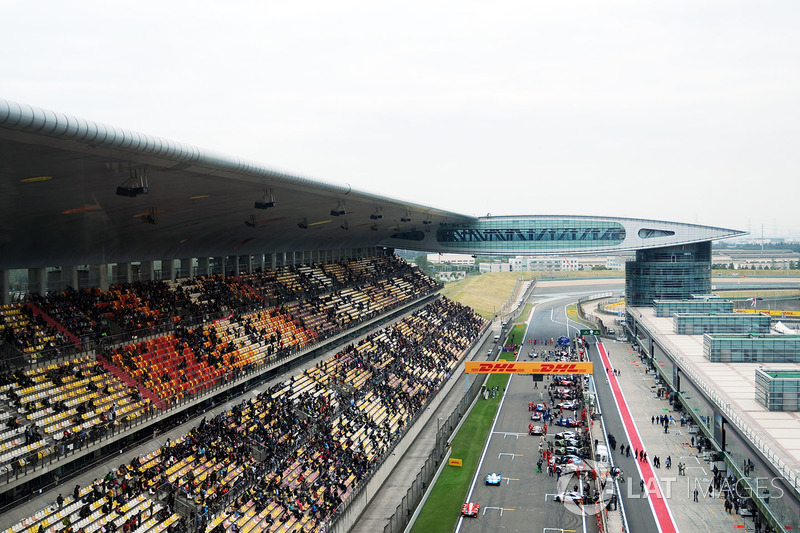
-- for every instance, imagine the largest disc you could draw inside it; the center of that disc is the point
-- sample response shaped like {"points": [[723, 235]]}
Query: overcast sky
{"points": [[686, 111]]}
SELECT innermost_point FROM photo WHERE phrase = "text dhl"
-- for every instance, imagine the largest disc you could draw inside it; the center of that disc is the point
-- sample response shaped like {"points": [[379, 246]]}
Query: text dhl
{"points": [[504, 367]]}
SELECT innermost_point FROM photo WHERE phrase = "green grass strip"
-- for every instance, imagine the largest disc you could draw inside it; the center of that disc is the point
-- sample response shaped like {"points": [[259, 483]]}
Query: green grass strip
{"points": [[443, 507], [516, 335], [526, 312]]}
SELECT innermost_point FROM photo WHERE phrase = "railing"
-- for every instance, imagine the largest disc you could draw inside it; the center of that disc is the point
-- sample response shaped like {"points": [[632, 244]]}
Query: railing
{"points": [[593, 319]]}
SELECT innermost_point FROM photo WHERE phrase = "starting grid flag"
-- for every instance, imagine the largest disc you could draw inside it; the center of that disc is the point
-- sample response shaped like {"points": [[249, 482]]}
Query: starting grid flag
{"points": [[514, 367]]}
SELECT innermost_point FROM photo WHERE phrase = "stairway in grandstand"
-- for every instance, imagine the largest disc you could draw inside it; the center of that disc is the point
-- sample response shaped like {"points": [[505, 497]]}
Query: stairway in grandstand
{"points": [[130, 382], [55, 325]]}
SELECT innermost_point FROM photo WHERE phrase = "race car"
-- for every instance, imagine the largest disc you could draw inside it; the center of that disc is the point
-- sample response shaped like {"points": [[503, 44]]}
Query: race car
{"points": [[570, 496], [564, 435], [493, 479], [536, 415], [566, 459], [537, 430], [568, 422], [570, 404], [569, 450], [540, 407], [575, 467], [470, 509]]}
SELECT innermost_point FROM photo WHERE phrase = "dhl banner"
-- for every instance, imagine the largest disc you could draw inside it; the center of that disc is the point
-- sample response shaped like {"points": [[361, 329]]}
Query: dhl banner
{"points": [[770, 312], [454, 462], [513, 367]]}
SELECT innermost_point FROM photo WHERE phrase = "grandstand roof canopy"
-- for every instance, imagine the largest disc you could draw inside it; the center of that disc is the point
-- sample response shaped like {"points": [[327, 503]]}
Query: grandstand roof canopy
{"points": [[61, 178], [59, 204]]}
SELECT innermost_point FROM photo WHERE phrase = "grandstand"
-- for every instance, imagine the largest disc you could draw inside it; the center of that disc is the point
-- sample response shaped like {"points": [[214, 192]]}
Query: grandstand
{"points": [[287, 459]]}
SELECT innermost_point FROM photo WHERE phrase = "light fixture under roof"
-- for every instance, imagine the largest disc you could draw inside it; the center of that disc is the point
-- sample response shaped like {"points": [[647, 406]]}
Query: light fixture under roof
{"points": [[345, 226], [135, 185], [406, 217], [377, 215], [303, 224], [427, 220], [339, 210], [268, 201], [250, 222], [151, 217]]}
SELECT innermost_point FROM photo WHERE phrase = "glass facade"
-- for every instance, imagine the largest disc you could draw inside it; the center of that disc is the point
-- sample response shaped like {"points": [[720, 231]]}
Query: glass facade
{"points": [[667, 308], [721, 324], [522, 234], [752, 348], [778, 390], [775, 496], [673, 272]]}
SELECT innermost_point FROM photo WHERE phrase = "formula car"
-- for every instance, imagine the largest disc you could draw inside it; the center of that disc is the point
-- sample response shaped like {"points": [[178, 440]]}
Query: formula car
{"points": [[493, 479], [470, 509]]}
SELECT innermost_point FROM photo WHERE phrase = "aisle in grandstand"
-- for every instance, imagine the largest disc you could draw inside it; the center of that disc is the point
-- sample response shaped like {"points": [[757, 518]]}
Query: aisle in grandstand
{"points": [[284, 460]]}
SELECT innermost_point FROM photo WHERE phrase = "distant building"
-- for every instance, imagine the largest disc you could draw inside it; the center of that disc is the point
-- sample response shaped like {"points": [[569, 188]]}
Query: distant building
{"points": [[559, 263], [452, 259], [758, 259], [486, 268]]}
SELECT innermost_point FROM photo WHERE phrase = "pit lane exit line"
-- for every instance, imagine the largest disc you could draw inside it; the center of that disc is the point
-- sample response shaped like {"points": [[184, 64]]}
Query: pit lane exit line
{"points": [[513, 455], [508, 433], [500, 508]]}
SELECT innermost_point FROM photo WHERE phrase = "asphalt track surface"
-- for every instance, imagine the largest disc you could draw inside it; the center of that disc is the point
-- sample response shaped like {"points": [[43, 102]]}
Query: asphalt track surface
{"points": [[524, 499]]}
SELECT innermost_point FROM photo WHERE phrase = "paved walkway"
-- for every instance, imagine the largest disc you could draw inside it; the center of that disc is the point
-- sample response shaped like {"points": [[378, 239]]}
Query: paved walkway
{"points": [[638, 388]]}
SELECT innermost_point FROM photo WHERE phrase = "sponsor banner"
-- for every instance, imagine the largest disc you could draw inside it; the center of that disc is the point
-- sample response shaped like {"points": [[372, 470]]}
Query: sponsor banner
{"points": [[514, 367], [770, 312], [454, 462]]}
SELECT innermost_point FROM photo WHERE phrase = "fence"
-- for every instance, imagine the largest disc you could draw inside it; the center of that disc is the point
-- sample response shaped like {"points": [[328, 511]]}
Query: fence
{"points": [[402, 515], [590, 318]]}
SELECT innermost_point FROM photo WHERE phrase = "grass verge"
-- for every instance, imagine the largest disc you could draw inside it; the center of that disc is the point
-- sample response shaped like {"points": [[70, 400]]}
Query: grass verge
{"points": [[442, 509], [523, 316]]}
